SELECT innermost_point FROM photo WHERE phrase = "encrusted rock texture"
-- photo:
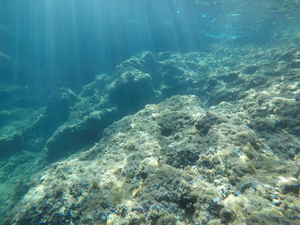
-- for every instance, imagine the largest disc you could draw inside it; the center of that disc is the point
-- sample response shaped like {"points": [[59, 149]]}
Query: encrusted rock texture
{"points": [[169, 138], [181, 162]]}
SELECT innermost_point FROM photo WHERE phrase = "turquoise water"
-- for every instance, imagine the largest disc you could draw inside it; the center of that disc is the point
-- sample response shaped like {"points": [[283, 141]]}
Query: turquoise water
{"points": [[223, 80], [66, 43]]}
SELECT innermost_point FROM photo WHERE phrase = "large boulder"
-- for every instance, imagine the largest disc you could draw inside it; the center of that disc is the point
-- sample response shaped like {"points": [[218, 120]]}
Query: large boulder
{"points": [[56, 112], [70, 138], [131, 91]]}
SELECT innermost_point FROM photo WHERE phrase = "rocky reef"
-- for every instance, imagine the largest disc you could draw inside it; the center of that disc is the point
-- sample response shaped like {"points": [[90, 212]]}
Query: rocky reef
{"points": [[169, 138], [176, 163]]}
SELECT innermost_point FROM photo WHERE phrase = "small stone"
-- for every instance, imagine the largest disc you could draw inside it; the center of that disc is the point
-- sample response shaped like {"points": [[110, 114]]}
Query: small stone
{"points": [[226, 214], [276, 202], [103, 217], [289, 185]]}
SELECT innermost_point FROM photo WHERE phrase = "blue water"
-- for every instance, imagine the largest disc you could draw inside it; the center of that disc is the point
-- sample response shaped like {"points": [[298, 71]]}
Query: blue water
{"points": [[61, 86], [66, 43]]}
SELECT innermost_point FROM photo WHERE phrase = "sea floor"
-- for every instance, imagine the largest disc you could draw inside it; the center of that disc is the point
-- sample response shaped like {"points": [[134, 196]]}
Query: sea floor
{"points": [[199, 138]]}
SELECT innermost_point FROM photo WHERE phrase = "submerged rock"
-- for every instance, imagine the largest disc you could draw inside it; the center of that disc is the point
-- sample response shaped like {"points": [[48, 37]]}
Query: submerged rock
{"points": [[170, 163], [212, 155], [149, 78], [56, 112]]}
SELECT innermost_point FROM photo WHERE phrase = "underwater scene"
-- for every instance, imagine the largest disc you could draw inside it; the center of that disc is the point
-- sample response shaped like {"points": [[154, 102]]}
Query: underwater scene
{"points": [[155, 112]]}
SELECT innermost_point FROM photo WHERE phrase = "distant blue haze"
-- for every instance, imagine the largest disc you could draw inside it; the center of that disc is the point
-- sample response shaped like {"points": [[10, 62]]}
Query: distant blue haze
{"points": [[57, 43]]}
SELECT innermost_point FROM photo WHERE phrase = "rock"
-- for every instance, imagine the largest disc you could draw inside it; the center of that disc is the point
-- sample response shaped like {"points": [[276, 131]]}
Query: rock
{"points": [[205, 124], [149, 78], [131, 91], [11, 144], [251, 69], [56, 113], [213, 154], [202, 170], [14, 127], [289, 185], [69, 139]]}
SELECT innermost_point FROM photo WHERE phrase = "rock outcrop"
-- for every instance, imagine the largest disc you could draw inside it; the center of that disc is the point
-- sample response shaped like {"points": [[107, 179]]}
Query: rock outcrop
{"points": [[177, 163], [225, 151]]}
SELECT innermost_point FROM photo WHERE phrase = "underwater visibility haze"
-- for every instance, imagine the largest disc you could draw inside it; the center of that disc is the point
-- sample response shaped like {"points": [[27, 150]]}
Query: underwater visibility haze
{"points": [[66, 43], [149, 112]]}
